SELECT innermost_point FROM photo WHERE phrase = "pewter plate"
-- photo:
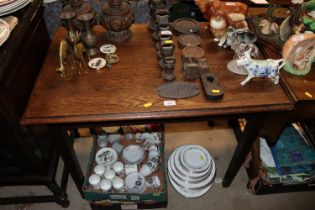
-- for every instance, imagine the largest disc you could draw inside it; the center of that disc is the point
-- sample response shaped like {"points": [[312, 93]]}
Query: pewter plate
{"points": [[185, 26], [176, 90], [185, 40]]}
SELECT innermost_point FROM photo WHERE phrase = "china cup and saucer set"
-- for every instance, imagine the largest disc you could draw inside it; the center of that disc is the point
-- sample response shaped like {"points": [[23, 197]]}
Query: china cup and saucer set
{"points": [[126, 167]]}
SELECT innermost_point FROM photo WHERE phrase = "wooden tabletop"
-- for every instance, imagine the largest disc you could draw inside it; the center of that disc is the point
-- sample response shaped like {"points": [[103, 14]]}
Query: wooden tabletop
{"points": [[119, 94], [299, 88]]}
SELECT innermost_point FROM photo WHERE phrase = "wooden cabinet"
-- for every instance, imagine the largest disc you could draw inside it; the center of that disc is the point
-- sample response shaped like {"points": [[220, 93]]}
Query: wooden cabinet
{"points": [[27, 156]]}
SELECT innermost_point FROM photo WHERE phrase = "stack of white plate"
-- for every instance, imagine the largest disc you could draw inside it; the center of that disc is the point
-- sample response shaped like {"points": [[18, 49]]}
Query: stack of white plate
{"points": [[191, 170], [10, 6]]}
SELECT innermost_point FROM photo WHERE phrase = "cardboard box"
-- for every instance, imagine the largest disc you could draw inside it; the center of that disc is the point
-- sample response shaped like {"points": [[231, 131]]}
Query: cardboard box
{"points": [[149, 198], [114, 205]]}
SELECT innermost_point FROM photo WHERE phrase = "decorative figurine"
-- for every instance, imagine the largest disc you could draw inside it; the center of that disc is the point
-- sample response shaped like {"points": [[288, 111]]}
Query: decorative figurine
{"points": [[79, 51], [267, 24], [221, 15], [260, 68], [63, 47], [239, 49], [299, 54], [118, 17], [73, 36]]}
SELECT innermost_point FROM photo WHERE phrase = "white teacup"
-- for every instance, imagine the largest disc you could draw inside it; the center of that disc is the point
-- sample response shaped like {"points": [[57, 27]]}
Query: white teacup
{"points": [[99, 170], [114, 138], [154, 153], [118, 184], [145, 170], [102, 140], [118, 147], [118, 168], [94, 181], [154, 182], [154, 159], [153, 165], [106, 185], [109, 174], [148, 168]]}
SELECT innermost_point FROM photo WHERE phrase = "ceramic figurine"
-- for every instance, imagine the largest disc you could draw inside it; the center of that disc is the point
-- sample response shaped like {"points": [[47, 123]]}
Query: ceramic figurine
{"points": [[240, 36], [221, 15], [300, 20], [299, 54], [268, 25], [240, 48], [260, 68]]}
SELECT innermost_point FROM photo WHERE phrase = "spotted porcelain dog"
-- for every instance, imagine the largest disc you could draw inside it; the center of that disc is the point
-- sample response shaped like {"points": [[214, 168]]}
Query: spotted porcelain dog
{"points": [[260, 68]]}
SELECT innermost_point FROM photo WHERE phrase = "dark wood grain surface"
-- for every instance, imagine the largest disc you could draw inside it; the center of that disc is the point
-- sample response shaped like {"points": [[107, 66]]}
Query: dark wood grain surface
{"points": [[119, 93]]}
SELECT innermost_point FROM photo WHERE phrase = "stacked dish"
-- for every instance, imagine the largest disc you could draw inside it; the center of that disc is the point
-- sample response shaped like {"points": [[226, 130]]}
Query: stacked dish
{"points": [[191, 170], [10, 6]]}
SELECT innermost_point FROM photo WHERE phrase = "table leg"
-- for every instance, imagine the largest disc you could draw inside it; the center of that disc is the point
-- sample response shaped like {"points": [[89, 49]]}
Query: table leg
{"points": [[249, 135], [65, 148]]}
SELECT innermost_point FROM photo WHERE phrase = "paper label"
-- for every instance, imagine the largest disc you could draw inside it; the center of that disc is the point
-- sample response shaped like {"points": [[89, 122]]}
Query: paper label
{"points": [[166, 32], [170, 103], [129, 206], [135, 198], [118, 197], [168, 42]]}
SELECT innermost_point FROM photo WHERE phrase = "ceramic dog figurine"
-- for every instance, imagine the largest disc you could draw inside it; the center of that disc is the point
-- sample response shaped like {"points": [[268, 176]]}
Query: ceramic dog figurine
{"points": [[221, 15], [260, 68]]}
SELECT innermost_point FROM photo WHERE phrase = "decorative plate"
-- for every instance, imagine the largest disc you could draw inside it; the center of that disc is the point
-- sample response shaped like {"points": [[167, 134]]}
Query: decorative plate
{"points": [[195, 158], [196, 185], [189, 175], [135, 183], [133, 154], [106, 156]]}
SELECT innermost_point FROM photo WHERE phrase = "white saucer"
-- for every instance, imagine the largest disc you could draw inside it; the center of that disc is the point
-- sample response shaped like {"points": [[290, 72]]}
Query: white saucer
{"points": [[106, 156], [135, 183], [133, 154], [185, 177], [188, 193], [198, 185], [183, 170], [195, 158]]}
